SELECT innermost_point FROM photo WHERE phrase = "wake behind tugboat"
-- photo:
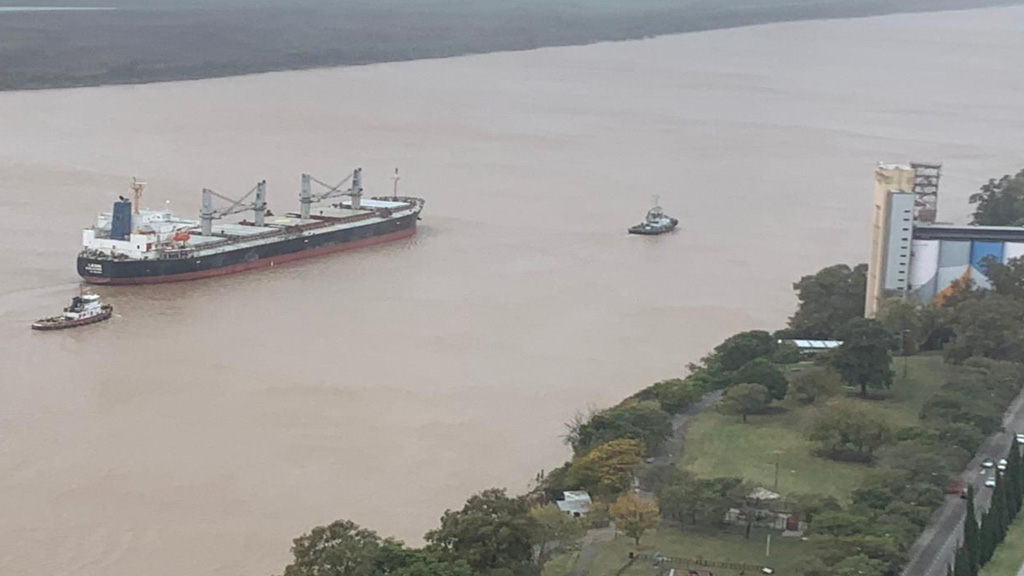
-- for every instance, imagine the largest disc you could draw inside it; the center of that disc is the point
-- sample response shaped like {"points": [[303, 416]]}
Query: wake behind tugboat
{"points": [[84, 310]]}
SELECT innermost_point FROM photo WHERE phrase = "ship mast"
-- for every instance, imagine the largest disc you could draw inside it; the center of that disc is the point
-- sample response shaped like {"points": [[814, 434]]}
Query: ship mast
{"points": [[137, 187], [396, 178]]}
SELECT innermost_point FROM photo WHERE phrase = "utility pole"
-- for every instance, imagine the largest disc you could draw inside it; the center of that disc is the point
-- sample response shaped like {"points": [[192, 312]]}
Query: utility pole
{"points": [[905, 334], [776, 452]]}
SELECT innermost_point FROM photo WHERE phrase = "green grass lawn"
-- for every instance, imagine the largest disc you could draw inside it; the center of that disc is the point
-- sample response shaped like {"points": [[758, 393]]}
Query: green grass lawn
{"points": [[712, 544], [718, 445], [560, 565], [1010, 555]]}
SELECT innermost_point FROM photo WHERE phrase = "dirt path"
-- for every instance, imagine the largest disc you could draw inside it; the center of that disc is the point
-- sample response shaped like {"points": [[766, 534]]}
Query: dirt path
{"points": [[671, 447], [680, 422]]}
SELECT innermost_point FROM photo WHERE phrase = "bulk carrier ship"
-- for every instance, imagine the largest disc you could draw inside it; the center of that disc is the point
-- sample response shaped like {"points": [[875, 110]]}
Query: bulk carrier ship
{"points": [[135, 246]]}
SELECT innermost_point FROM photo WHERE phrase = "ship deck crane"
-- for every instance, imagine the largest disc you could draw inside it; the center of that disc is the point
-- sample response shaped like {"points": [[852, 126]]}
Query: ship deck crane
{"points": [[258, 205], [307, 198]]}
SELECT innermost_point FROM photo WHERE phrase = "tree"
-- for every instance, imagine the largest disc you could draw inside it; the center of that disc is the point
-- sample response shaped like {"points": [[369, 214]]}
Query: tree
{"points": [[999, 510], [394, 559], [660, 476], [341, 548], [987, 537], [491, 532], [860, 565], [673, 396], [848, 431], [1000, 202], [1006, 279], [834, 550], [762, 371], [556, 531], [964, 436], [643, 421], [681, 501], [808, 506], [634, 515], [813, 385], [607, 469], [839, 523], [925, 460], [688, 500], [972, 536], [901, 317], [863, 358], [743, 348], [962, 562], [1011, 477], [828, 300], [989, 327], [744, 399]]}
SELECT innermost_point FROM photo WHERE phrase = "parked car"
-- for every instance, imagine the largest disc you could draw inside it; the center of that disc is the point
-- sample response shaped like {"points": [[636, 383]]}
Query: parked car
{"points": [[1020, 437], [1001, 466], [987, 463], [956, 487], [990, 483]]}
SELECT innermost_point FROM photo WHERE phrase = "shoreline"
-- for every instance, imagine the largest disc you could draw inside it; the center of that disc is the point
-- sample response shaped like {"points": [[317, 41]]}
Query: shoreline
{"points": [[341, 39]]}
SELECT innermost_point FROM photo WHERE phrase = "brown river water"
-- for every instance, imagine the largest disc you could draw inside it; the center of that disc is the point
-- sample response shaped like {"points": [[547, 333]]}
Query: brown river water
{"points": [[210, 422]]}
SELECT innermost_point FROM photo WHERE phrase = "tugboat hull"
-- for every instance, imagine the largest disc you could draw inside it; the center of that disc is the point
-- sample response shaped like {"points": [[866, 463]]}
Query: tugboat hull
{"points": [[648, 230], [59, 323]]}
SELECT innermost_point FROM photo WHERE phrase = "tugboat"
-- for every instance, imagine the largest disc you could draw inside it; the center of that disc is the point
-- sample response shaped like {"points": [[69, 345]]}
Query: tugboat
{"points": [[656, 222], [85, 309]]}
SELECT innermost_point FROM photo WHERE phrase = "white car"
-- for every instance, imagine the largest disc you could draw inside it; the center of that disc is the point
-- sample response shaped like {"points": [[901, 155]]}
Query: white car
{"points": [[1001, 466], [990, 483], [987, 463], [1020, 437]]}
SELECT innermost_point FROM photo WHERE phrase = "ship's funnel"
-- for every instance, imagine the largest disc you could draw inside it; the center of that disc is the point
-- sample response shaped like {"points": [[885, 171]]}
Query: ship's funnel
{"points": [[121, 222]]}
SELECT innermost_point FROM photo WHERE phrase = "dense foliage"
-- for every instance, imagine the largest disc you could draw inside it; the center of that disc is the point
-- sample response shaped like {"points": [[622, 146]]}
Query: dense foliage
{"points": [[745, 399], [847, 431], [828, 300], [863, 359], [742, 348], [813, 385], [492, 533], [1000, 202], [643, 421]]}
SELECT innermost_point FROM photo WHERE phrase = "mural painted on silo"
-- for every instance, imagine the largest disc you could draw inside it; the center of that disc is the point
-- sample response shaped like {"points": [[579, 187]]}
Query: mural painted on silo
{"points": [[979, 252], [924, 268], [936, 264]]}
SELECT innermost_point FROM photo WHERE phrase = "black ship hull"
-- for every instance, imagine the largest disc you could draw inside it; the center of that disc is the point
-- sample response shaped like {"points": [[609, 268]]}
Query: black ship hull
{"points": [[108, 271]]}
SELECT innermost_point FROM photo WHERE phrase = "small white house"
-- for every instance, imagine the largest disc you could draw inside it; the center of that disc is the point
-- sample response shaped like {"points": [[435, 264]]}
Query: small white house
{"points": [[575, 502]]}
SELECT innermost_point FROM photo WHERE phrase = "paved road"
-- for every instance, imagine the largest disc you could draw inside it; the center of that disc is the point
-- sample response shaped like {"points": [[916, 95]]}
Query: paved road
{"points": [[936, 546]]}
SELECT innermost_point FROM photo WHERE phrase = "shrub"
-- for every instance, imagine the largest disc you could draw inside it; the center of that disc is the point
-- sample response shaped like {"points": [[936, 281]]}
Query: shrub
{"points": [[673, 396], [643, 421]]}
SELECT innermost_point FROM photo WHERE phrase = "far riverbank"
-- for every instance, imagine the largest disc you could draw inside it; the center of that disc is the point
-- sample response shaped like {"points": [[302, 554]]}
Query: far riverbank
{"points": [[145, 41]]}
